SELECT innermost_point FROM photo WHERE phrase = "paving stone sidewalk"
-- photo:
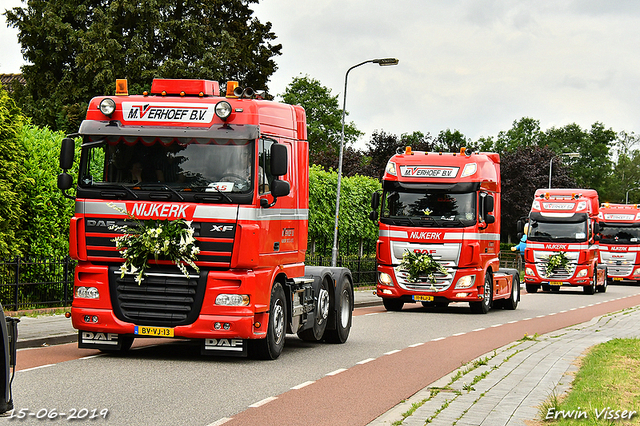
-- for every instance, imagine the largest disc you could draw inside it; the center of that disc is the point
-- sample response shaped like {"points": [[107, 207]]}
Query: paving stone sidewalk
{"points": [[507, 386]]}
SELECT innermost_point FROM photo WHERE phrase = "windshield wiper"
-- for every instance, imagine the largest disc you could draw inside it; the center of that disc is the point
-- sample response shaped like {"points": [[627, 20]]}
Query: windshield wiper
{"points": [[162, 185], [116, 185]]}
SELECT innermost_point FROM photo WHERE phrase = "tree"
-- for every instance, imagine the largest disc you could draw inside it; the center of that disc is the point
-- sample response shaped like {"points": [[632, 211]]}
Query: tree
{"points": [[452, 141], [324, 119], [77, 48], [626, 172], [383, 146], [525, 132], [593, 168], [12, 181]]}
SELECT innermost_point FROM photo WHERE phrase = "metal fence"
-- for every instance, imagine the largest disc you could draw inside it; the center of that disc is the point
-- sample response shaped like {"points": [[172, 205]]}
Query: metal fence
{"points": [[30, 283], [363, 269], [36, 282]]}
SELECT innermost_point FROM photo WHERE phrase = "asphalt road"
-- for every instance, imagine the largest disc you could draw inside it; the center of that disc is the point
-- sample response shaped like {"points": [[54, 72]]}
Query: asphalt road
{"points": [[388, 357]]}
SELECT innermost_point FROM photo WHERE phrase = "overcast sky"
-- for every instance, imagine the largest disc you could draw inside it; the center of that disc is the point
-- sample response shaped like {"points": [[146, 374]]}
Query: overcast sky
{"points": [[471, 65]]}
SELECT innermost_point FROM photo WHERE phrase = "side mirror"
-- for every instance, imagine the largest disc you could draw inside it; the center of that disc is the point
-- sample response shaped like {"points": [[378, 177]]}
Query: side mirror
{"points": [[67, 151], [489, 204], [65, 181], [596, 228], [375, 200], [279, 160], [519, 228], [489, 219], [280, 188], [373, 215]]}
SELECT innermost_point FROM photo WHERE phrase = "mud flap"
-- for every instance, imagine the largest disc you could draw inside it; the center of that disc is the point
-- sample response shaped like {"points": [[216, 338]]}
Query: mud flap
{"points": [[99, 340], [224, 347]]}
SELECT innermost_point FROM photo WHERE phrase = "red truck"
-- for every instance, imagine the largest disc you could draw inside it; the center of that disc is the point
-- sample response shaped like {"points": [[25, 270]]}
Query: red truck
{"points": [[235, 168], [620, 241], [562, 242], [443, 209]]}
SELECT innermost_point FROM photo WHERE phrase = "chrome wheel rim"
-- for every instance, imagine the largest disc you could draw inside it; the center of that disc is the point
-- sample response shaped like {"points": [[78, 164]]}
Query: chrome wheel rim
{"points": [[278, 321]]}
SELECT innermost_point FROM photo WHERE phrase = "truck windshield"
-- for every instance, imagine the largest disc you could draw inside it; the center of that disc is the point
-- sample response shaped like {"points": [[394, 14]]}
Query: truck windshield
{"points": [[429, 209], [562, 232], [619, 234], [177, 164]]}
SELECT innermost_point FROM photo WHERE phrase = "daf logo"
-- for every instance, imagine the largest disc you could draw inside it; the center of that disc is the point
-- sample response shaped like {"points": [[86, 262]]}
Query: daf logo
{"points": [[90, 337], [222, 228], [101, 223]]}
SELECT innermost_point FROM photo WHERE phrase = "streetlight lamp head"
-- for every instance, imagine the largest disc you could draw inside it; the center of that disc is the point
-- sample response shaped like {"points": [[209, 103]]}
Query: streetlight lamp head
{"points": [[385, 62]]}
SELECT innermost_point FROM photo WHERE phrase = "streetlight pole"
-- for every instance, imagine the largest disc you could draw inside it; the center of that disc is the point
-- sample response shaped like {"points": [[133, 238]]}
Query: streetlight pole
{"points": [[382, 62], [626, 197], [566, 154]]}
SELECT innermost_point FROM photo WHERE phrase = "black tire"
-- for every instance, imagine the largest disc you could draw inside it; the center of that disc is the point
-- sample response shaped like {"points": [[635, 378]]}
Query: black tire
{"points": [[342, 306], [271, 346], [125, 345], [315, 333], [485, 305], [531, 288], [591, 288], [394, 305], [512, 302]]}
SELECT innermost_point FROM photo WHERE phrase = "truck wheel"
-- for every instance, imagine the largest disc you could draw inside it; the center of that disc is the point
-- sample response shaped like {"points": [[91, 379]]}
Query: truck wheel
{"points": [[271, 346], [392, 304], [484, 306], [512, 302], [314, 334], [343, 312], [591, 288], [531, 288]]}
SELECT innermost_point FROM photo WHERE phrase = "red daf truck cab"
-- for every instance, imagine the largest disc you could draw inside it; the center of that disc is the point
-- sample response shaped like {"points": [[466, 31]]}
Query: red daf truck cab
{"points": [[235, 167], [446, 205], [620, 242], [562, 242]]}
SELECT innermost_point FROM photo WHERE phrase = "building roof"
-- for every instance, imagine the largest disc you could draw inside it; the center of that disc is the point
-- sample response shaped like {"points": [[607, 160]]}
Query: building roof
{"points": [[7, 80]]}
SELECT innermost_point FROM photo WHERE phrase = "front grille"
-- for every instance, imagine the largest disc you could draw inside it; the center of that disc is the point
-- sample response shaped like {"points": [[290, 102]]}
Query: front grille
{"points": [[619, 270], [443, 282], [558, 273], [215, 247], [164, 298]]}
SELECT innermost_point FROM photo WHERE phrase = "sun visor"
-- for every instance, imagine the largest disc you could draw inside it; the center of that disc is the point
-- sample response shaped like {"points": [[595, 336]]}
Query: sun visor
{"points": [[238, 131]]}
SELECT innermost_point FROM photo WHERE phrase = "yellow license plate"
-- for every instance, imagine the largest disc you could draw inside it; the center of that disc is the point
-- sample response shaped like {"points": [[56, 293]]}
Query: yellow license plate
{"points": [[419, 298], [555, 283], [617, 279], [153, 331]]}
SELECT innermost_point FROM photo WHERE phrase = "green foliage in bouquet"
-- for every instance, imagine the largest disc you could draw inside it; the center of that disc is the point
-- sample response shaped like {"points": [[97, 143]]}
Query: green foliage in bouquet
{"points": [[170, 239], [419, 265], [557, 260]]}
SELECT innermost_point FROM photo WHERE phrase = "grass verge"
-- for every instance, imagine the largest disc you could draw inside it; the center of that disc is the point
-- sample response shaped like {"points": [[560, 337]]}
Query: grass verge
{"points": [[605, 391]]}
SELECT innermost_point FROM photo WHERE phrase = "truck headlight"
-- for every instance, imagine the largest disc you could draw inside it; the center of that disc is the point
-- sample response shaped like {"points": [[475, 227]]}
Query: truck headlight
{"points": [[582, 273], [528, 271], [466, 281], [636, 272], [87, 293], [107, 106], [232, 300], [223, 110], [385, 279]]}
